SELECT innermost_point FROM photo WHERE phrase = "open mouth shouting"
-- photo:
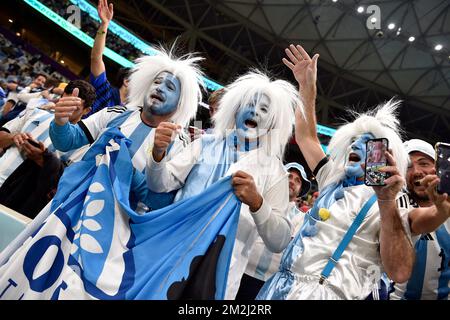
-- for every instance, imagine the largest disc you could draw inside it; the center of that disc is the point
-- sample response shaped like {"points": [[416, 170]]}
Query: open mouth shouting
{"points": [[249, 123], [417, 182], [353, 158]]}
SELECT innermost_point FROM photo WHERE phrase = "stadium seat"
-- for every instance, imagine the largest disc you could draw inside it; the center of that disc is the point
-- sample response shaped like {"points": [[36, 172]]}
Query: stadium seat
{"points": [[11, 224]]}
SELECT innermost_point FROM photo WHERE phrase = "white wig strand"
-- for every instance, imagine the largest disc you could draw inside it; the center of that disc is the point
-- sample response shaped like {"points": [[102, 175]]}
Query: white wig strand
{"points": [[283, 98], [184, 67], [381, 122]]}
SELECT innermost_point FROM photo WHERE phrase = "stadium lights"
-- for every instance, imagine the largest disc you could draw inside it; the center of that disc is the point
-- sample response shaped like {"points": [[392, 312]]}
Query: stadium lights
{"points": [[62, 61], [391, 26], [438, 47], [373, 20], [10, 20], [124, 35], [127, 36], [334, 0], [360, 9], [411, 39], [18, 34]]}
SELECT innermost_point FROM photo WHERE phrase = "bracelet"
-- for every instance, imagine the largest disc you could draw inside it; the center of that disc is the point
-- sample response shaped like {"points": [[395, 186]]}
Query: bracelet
{"points": [[100, 32]]}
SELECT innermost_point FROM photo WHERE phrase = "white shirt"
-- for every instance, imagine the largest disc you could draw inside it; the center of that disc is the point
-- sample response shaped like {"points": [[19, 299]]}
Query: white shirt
{"points": [[359, 267], [131, 125], [271, 182], [262, 262], [431, 263], [36, 122]]}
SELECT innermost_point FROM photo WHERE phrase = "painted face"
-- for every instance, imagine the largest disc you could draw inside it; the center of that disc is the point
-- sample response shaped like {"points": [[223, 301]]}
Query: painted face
{"points": [[253, 119], [420, 165], [163, 95], [356, 156]]}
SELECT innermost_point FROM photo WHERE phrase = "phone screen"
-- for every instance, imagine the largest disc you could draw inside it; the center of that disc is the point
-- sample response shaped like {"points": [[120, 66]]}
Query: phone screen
{"points": [[443, 167], [375, 159]]}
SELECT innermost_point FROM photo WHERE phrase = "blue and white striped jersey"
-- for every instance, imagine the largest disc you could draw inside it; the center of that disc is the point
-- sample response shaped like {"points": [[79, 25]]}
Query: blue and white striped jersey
{"points": [[431, 273], [36, 122], [130, 124]]}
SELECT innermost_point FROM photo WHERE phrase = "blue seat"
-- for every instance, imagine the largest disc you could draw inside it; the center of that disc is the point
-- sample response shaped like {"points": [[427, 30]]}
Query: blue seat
{"points": [[11, 224]]}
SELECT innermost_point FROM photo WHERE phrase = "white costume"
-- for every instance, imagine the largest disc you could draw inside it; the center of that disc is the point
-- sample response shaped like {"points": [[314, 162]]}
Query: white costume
{"points": [[129, 118], [262, 263], [354, 276], [359, 268], [213, 156]]}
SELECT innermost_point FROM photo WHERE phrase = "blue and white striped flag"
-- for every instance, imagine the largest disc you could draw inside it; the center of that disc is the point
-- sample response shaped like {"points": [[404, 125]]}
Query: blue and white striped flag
{"points": [[94, 246]]}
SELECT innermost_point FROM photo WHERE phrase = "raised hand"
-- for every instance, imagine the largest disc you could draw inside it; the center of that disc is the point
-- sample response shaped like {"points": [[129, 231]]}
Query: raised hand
{"points": [[304, 70], [65, 107], [105, 11], [245, 189], [164, 135]]}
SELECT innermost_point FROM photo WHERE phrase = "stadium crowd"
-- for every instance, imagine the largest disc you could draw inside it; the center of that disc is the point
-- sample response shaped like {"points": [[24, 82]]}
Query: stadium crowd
{"points": [[292, 241]]}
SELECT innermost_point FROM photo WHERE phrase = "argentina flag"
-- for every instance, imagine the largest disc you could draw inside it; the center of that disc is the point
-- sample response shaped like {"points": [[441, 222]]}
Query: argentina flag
{"points": [[93, 245]]}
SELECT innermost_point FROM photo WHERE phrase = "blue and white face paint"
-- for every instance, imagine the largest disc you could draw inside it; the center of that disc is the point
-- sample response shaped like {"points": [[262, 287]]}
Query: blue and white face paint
{"points": [[163, 95], [357, 156], [254, 119]]}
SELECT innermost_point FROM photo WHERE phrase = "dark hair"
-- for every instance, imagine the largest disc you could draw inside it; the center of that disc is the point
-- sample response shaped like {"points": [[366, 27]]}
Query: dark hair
{"points": [[216, 96], [51, 82], [42, 75], [86, 91], [122, 74], [11, 100]]}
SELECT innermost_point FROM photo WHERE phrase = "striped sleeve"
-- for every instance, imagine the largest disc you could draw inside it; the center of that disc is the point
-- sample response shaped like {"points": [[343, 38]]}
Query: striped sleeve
{"points": [[96, 123], [103, 92]]}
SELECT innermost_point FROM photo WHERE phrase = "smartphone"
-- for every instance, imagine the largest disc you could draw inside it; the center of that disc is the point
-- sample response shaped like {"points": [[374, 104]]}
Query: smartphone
{"points": [[34, 143], [443, 166], [375, 159]]}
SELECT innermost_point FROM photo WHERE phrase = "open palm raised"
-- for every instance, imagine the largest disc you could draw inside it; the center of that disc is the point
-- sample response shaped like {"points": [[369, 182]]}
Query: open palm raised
{"points": [[105, 11], [304, 69]]}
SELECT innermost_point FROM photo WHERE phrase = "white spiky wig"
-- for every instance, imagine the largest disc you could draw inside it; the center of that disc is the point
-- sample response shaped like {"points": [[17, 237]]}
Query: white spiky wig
{"points": [[381, 122], [184, 67], [283, 98]]}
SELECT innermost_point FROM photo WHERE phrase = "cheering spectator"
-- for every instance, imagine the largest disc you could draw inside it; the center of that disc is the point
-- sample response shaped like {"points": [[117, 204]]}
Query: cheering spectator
{"points": [[107, 95], [30, 168]]}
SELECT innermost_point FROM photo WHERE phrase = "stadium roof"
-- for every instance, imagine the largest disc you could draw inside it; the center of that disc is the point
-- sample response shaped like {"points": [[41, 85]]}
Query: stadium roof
{"points": [[358, 66]]}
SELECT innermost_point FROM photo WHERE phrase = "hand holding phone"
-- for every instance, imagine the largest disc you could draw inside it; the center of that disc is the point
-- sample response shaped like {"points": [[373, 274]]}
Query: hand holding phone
{"points": [[34, 143], [376, 159], [443, 167]]}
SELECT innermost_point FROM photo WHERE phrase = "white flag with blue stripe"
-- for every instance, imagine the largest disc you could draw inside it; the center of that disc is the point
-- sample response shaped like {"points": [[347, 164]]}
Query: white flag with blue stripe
{"points": [[94, 246]]}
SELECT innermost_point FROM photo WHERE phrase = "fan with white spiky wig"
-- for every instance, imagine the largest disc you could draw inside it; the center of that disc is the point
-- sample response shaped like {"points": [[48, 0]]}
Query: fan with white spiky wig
{"points": [[185, 68], [381, 122]]}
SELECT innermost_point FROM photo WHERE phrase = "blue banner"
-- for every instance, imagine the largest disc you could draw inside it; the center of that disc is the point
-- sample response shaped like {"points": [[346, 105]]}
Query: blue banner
{"points": [[94, 246]]}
